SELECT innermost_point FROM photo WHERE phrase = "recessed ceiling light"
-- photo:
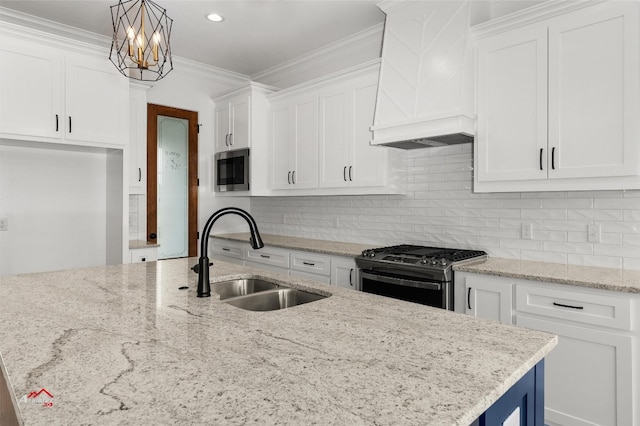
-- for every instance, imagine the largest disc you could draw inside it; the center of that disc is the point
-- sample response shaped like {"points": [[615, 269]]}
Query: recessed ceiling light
{"points": [[215, 17]]}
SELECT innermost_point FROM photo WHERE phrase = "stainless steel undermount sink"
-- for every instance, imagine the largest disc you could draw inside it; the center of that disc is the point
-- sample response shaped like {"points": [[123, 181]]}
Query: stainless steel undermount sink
{"points": [[241, 287], [255, 294]]}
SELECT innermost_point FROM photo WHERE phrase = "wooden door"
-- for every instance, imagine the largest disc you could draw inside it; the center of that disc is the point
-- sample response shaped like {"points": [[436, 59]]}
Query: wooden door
{"points": [[153, 111]]}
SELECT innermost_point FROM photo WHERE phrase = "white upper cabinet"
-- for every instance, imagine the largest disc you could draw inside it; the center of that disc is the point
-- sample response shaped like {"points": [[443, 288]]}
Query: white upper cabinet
{"points": [[138, 138], [558, 99], [593, 91], [320, 137], [294, 139], [50, 95], [96, 101], [345, 119], [31, 90], [241, 117], [233, 123], [512, 105]]}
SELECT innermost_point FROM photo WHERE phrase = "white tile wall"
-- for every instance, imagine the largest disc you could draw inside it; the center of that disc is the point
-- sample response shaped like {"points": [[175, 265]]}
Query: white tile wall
{"points": [[440, 209]]}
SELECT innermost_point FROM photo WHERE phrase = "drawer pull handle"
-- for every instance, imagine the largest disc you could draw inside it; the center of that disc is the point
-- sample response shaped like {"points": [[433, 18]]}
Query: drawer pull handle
{"points": [[553, 158], [350, 277], [265, 256], [226, 249], [567, 306], [469, 298], [308, 263]]}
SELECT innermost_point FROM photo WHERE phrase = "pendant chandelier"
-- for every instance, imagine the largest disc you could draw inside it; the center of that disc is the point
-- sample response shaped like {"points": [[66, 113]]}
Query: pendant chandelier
{"points": [[140, 47]]}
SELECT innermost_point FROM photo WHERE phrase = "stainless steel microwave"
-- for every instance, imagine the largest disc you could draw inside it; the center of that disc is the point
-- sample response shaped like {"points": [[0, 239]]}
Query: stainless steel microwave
{"points": [[232, 170]]}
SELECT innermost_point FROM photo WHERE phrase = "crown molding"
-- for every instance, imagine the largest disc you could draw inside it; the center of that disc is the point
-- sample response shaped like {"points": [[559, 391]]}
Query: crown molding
{"points": [[43, 31], [351, 72], [530, 15], [311, 60]]}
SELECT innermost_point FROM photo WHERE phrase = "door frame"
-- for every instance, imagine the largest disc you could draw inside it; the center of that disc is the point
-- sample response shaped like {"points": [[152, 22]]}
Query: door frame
{"points": [[153, 111]]}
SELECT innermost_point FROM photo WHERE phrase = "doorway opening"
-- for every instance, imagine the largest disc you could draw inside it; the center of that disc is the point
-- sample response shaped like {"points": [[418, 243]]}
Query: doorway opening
{"points": [[172, 181]]}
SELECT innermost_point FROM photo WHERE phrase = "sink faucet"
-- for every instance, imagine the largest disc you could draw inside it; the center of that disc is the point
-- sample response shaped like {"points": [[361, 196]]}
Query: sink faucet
{"points": [[202, 268]]}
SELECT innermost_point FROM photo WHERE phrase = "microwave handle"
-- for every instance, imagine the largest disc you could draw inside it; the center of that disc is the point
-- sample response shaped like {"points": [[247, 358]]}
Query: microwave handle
{"points": [[400, 281]]}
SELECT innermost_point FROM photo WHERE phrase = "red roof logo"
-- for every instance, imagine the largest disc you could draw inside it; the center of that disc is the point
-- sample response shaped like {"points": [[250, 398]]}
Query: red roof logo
{"points": [[40, 392]]}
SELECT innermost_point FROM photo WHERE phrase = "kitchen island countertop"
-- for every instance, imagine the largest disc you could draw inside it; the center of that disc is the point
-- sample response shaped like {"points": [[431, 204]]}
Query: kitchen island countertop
{"points": [[123, 344]]}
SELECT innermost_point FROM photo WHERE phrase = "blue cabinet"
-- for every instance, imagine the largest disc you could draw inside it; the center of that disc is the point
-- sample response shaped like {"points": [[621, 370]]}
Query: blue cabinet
{"points": [[527, 395]]}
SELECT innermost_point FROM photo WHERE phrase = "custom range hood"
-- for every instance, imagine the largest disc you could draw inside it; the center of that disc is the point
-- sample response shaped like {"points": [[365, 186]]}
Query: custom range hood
{"points": [[425, 90]]}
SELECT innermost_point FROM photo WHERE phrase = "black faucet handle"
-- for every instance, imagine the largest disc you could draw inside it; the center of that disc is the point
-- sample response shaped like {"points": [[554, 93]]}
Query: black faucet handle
{"points": [[196, 267]]}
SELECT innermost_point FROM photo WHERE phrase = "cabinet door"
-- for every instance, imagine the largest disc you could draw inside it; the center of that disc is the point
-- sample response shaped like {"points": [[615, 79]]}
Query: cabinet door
{"points": [[367, 165], [240, 130], [222, 119], [588, 376], [137, 140], [305, 131], [281, 147], [344, 273], [96, 100], [30, 90], [489, 299], [335, 144], [593, 91], [512, 105]]}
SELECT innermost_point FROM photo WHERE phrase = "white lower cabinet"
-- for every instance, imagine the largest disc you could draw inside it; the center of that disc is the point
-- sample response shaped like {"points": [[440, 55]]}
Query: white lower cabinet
{"points": [[485, 298], [344, 272], [588, 376], [227, 251], [149, 254], [592, 376], [333, 270]]}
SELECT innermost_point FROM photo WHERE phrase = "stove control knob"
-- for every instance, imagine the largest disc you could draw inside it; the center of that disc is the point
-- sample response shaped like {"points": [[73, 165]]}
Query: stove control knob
{"points": [[434, 261], [368, 253], [443, 262], [424, 261]]}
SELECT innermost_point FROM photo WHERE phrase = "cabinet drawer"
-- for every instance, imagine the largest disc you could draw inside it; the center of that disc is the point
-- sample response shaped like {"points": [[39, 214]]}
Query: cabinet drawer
{"points": [[595, 307], [144, 255], [311, 262], [227, 248], [269, 256]]}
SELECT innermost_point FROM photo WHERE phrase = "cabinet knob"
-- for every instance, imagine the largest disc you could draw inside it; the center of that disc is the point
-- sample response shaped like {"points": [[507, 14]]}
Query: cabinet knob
{"points": [[153, 236]]}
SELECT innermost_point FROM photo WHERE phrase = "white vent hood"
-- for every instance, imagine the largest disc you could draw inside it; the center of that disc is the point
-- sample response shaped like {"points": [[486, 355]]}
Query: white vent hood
{"points": [[425, 91]]}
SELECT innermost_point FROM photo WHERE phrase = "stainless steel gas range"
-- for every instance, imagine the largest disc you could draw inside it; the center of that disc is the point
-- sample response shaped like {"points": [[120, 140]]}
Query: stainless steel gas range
{"points": [[413, 273]]}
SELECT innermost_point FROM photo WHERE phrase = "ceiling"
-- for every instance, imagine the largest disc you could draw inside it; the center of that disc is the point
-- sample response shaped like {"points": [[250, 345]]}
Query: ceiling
{"points": [[256, 34]]}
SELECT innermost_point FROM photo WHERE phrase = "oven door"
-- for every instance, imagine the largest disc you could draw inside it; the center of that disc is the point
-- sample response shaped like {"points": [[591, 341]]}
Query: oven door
{"points": [[431, 293]]}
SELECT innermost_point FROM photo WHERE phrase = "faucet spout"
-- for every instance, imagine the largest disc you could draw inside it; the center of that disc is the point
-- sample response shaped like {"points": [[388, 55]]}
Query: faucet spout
{"points": [[202, 268]]}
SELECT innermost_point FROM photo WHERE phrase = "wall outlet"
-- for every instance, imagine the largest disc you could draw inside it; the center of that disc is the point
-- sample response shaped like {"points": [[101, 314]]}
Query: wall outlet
{"points": [[526, 231], [593, 233], [4, 224]]}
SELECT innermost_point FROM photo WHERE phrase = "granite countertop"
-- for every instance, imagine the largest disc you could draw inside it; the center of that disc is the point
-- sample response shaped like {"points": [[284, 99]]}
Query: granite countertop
{"points": [[333, 248], [141, 244], [584, 276], [123, 344]]}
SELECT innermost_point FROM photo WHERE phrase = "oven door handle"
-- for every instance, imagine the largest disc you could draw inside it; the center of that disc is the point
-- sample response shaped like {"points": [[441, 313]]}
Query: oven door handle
{"points": [[400, 281]]}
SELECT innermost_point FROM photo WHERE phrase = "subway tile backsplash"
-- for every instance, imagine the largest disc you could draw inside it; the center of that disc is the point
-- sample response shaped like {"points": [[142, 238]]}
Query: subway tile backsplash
{"points": [[440, 208]]}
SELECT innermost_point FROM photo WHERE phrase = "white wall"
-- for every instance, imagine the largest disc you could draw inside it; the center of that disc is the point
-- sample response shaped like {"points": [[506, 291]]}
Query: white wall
{"points": [[192, 86], [441, 209], [55, 203]]}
